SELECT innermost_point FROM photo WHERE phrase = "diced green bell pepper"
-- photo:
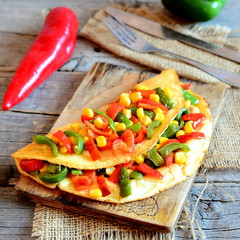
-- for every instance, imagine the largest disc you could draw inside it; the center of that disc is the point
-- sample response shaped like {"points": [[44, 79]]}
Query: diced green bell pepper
{"points": [[124, 182], [154, 156], [78, 149]]}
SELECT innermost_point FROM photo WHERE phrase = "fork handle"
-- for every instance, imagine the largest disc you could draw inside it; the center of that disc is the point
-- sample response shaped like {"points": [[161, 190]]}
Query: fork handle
{"points": [[226, 76]]}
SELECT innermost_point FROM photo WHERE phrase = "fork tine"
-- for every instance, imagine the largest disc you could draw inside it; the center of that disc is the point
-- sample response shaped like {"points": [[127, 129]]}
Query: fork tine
{"points": [[109, 23], [125, 28], [119, 30]]}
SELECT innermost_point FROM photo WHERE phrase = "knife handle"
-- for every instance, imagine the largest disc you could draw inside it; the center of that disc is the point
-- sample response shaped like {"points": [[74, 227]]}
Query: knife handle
{"points": [[230, 78]]}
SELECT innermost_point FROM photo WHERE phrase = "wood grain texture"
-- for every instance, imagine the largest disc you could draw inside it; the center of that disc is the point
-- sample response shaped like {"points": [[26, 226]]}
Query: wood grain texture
{"points": [[103, 83]]}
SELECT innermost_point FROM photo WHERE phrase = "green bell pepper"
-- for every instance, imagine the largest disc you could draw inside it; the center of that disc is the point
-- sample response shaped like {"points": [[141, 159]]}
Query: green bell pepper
{"points": [[122, 118], [78, 149], [40, 139], [49, 177], [189, 96], [164, 99], [151, 127], [136, 127], [171, 130], [136, 175], [167, 149], [147, 112], [154, 156], [124, 183], [195, 10]]}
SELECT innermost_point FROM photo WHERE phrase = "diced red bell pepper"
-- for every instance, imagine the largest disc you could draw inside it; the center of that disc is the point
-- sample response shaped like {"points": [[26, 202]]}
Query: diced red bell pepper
{"points": [[197, 124], [145, 93], [92, 127], [169, 159], [92, 149], [189, 136], [186, 86], [139, 136], [65, 140], [149, 171], [150, 104], [128, 138], [83, 182], [119, 146], [86, 118], [114, 109], [169, 141], [103, 185], [193, 116], [31, 165], [114, 177]]}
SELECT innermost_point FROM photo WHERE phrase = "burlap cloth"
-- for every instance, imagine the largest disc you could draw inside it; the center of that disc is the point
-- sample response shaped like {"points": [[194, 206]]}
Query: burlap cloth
{"points": [[50, 223]]}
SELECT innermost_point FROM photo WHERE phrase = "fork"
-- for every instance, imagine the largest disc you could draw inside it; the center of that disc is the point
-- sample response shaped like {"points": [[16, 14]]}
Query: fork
{"points": [[131, 40]]}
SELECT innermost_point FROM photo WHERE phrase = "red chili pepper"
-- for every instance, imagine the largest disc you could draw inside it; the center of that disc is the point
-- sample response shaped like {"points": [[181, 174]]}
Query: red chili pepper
{"points": [[114, 109], [150, 104], [92, 149], [31, 165], [186, 86], [189, 136], [193, 116], [65, 140], [145, 93], [103, 185], [149, 171], [51, 49], [169, 159]]}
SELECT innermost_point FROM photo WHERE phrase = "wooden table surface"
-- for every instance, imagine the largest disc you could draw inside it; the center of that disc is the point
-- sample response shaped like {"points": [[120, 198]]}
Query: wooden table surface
{"points": [[216, 213]]}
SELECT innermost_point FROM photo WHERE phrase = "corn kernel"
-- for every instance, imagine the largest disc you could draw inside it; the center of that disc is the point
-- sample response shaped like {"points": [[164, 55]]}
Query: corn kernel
{"points": [[174, 122], [110, 170], [139, 159], [129, 171], [135, 96], [159, 117], [188, 128], [158, 110], [88, 112], [141, 87], [61, 144], [154, 97], [63, 149], [95, 193], [54, 139], [157, 146], [194, 109], [127, 112], [187, 104], [146, 120], [162, 140], [179, 133], [73, 140], [120, 127], [85, 139], [140, 113], [83, 132], [125, 99], [98, 122], [168, 91], [75, 127], [44, 168], [101, 141], [180, 157]]}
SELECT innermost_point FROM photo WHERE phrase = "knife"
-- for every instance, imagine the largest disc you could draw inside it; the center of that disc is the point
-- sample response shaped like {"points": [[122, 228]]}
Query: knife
{"points": [[162, 32]]}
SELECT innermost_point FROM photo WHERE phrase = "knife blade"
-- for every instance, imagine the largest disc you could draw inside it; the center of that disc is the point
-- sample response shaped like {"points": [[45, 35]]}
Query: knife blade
{"points": [[157, 30]]}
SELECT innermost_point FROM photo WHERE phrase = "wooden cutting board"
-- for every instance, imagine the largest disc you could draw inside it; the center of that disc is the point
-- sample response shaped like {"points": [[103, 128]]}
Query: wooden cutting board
{"points": [[102, 84]]}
